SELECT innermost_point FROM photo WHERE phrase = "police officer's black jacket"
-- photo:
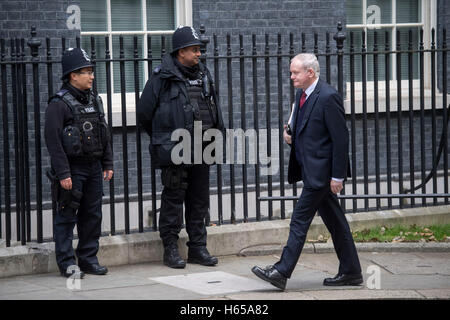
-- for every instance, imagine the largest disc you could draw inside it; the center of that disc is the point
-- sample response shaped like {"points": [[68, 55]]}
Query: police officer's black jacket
{"points": [[161, 108], [57, 116]]}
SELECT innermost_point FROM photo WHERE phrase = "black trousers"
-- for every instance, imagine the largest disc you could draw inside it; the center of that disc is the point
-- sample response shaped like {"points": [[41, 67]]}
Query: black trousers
{"points": [[334, 219], [88, 179], [196, 202]]}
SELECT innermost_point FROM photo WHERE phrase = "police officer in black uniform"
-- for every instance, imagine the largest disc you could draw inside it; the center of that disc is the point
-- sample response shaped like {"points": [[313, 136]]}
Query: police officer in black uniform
{"points": [[79, 145], [179, 92]]}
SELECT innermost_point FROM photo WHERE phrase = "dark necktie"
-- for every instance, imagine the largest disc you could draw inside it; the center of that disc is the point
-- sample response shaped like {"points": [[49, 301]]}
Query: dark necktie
{"points": [[302, 99], [298, 126]]}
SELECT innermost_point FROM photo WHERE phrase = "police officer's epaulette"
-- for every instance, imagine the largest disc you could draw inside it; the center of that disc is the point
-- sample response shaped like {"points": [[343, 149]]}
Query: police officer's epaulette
{"points": [[157, 70], [58, 95]]}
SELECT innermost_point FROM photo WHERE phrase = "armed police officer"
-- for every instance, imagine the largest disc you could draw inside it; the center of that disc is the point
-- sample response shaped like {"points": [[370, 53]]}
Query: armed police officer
{"points": [[180, 95], [79, 144]]}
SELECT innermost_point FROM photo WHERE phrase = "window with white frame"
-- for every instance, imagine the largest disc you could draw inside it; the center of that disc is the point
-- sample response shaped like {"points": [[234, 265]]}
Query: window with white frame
{"points": [[129, 18], [391, 16]]}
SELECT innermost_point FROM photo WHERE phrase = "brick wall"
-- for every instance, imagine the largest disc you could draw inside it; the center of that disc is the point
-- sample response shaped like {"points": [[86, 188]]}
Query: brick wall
{"points": [[235, 17], [48, 16]]}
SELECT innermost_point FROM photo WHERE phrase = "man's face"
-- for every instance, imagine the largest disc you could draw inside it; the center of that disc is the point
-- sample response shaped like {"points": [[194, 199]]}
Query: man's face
{"points": [[301, 77], [189, 56], [82, 79]]}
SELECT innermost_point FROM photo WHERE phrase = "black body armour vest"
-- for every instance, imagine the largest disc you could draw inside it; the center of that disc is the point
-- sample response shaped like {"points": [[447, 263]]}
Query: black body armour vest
{"points": [[85, 138], [202, 102]]}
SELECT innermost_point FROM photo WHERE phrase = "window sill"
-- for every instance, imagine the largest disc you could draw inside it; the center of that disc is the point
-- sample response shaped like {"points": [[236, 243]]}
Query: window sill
{"points": [[393, 101], [116, 107], [117, 120]]}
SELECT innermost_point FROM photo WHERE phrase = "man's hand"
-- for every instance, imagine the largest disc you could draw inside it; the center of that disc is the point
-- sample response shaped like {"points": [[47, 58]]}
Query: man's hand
{"points": [[336, 186], [107, 175], [66, 183], [286, 136]]}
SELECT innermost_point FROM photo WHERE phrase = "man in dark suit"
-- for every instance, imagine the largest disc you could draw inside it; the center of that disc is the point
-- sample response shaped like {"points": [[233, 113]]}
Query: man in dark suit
{"points": [[318, 137]]}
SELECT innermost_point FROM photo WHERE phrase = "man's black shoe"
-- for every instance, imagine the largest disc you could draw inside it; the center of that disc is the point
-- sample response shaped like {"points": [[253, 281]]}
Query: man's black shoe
{"points": [[172, 258], [201, 256], [95, 269], [270, 274], [344, 280], [70, 271]]}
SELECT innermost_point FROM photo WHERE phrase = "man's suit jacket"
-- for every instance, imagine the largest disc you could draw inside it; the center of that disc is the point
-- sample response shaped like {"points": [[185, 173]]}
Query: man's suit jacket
{"points": [[322, 139]]}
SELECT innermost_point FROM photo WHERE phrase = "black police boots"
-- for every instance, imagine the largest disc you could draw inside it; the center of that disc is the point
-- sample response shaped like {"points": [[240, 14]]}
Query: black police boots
{"points": [[201, 256], [95, 269], [172, 257]]}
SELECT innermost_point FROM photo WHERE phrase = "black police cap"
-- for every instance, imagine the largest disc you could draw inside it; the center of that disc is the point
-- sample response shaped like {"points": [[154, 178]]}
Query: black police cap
{"points": [[74, 59], [185, 37]]}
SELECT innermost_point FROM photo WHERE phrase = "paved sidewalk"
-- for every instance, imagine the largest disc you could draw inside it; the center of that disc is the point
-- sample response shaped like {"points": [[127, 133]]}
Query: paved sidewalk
{"points": [[387, 275]]}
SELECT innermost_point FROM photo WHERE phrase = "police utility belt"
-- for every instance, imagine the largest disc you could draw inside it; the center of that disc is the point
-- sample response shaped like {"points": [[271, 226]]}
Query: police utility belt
{"points": [[86, 137], [68, 200]]}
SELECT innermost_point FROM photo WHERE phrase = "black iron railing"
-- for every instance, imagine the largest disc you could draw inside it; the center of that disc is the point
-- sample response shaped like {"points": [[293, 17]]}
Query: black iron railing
{"points": [[393, 150]]}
